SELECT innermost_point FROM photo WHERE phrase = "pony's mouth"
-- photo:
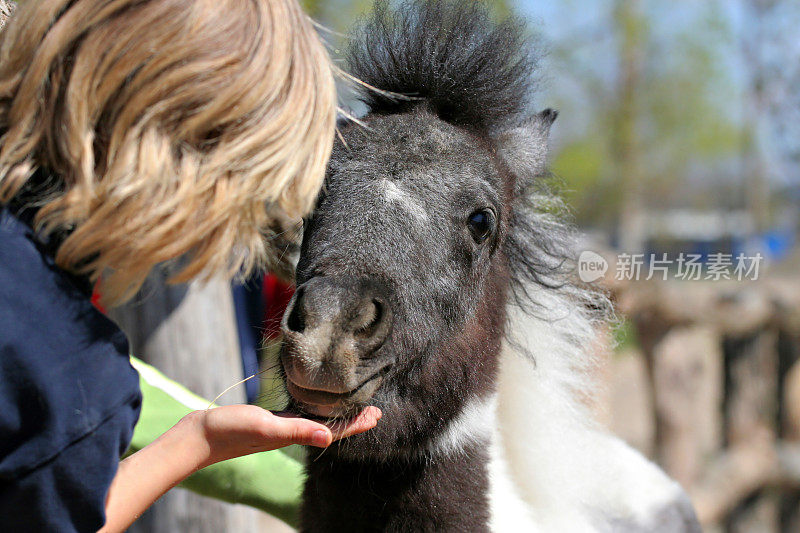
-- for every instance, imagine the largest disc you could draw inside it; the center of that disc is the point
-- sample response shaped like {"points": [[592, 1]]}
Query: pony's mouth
{"points": [[325, 404]]}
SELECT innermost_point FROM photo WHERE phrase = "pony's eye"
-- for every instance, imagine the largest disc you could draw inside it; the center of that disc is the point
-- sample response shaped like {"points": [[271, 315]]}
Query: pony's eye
{"points": [[481, 224]]}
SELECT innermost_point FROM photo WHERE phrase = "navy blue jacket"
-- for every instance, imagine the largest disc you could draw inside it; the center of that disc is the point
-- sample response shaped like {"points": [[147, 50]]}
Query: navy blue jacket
{"points": [[69, 397]]}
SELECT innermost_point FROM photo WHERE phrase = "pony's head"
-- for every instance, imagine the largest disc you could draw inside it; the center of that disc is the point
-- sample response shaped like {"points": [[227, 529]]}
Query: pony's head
{"points": [[424, 227]]}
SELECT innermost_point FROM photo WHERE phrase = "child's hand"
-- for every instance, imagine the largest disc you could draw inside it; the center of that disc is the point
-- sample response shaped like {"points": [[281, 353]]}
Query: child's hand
{"points": [[203, 438], [235, 430]]}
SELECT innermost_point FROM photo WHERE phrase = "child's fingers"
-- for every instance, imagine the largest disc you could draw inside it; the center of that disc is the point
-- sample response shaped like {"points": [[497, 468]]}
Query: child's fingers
{"points": [[366, 420], [296, 430]]}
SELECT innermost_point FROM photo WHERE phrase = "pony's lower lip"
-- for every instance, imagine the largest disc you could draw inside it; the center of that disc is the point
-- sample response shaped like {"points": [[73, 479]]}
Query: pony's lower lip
{"points": [[328, 404], [318, 397]]}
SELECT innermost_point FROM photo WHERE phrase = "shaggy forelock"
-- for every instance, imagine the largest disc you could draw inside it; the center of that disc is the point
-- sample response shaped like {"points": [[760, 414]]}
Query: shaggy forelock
{"points": [[479, 74], [470, 70]]}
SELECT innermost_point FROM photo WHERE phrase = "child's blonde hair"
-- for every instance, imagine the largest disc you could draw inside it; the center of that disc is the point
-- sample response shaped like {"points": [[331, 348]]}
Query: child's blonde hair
{"points": [[173, 128]]}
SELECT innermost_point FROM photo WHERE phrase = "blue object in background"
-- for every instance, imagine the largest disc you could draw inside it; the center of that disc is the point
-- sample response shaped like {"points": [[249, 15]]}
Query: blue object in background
{"points": [[248, 304], [778, 243]]}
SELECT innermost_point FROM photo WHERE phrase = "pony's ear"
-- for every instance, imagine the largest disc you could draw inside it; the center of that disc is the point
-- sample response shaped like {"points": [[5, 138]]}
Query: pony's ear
{"points": [[524, 147]]}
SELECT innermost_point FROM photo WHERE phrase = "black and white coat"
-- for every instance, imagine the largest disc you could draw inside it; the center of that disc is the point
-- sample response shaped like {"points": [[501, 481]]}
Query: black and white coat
{"points": [[476, 346]]}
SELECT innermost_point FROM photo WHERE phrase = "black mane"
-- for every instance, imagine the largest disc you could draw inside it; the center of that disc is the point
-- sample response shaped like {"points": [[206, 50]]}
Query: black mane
{"points": [[469, 70]]}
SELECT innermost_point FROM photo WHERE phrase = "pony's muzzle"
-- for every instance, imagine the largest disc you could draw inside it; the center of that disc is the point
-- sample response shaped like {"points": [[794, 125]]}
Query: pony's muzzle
{"points": [[333, 329]]}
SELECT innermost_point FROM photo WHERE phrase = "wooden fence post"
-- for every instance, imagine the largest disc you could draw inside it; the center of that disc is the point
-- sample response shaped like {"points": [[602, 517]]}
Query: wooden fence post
{"points": [[751, 413], [688, 369]]}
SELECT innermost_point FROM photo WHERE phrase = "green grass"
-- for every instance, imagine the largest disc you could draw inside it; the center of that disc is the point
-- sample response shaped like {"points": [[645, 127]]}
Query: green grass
{"points": [[625, 336]]}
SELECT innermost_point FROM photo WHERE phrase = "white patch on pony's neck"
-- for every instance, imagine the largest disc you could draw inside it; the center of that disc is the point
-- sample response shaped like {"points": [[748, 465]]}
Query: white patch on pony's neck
{"points": [[395, 194], [474, 424], [507, 510], [571, 473]]}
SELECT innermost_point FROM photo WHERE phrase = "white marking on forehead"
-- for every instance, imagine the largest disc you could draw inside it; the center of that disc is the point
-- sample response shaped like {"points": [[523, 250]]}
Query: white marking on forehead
{"points": [[395, 194], [475, 423]]}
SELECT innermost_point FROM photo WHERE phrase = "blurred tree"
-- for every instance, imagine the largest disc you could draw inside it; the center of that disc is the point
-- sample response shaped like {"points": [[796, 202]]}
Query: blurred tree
{"points": [[631, 29], [755, 107], [770, 52], [654, 97], [782, 73]]}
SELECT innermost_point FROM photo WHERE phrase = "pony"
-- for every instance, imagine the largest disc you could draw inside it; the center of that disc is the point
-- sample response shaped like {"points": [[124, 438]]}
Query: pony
{"points": [[435, 282]]}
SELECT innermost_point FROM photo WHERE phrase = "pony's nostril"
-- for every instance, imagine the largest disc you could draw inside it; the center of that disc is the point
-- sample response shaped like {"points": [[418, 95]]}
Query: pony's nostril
{"points": [[296, 320], [370, 319]]}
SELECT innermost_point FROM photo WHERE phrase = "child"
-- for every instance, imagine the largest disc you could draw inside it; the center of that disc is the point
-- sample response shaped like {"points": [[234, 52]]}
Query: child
{"points": [[134, 132]]}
